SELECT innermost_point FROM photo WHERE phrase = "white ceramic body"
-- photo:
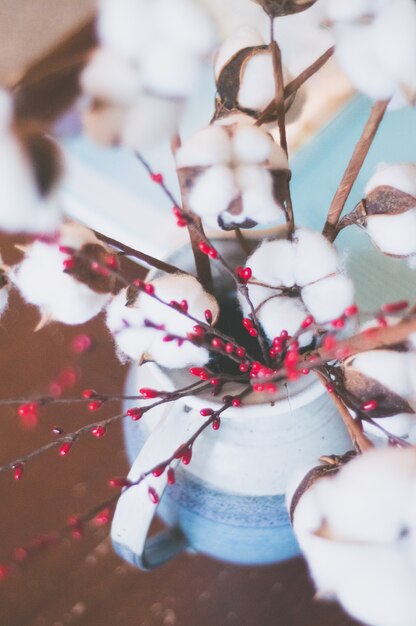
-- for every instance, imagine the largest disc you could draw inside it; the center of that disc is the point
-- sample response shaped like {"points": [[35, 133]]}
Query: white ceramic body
{"points": [[229, 502]]}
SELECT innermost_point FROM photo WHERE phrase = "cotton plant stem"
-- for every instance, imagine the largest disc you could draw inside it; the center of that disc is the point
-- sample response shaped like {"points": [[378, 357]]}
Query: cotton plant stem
{"points": [[358, 438], [296, 83], [244, 245], [353, 169], [280, 108], [137, 254]]}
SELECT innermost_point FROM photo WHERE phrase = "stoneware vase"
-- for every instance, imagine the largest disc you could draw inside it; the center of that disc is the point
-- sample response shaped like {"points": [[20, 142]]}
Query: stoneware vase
{"points": [[229, 502]]}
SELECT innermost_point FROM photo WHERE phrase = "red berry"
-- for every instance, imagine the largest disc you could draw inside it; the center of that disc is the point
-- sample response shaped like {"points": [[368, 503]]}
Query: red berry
{"points": [[119, 482], [244, 367], [69, 264], [216, 423], [370, 405], [308, 321], [17, 471], [135, 413], [217, 343], [65, 448], [214, 381], [206, 412], [88, 393], [156, 178], [240, 352], [208, 316], [171, 476], [187, 456], [94, 405], [153, 495], [158, 471], [236, 402], [339, 323], [149, 289], [350, 311], [146, 392], [394, 307], [99, 431], [81, 343]]}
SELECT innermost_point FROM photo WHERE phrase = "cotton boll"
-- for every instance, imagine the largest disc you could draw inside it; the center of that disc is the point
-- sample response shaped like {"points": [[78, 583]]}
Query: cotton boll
{"points": [[125, 26], [243, 37], [126, 324], [168, 71], [41, 281], [213, 191], [76, 235], [316, 257], [251, 144], [328, 298], [107, 77], [394, 234], [257, 88], [273, 263], [186, 25], [210, 146], [401, 176], [389, 367]]}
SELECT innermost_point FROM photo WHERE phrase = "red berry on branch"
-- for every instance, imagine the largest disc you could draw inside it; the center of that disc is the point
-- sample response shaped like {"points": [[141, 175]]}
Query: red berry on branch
{"points": [[350, 311], [158, 471], [135, 413], [171, 476], [65, 448], [240, 352], [88, 393], [236, 402], [370, 405], [308, 321], [216, 423], [153, 495], [208, 316], [149, 289], [394, 307], [148, 393], [99, 431], [95, 405], [119, 482], [81, 343], [187, 456], [156, 178], [217, 343], [18, 471], [206, 412], [68, 264]]}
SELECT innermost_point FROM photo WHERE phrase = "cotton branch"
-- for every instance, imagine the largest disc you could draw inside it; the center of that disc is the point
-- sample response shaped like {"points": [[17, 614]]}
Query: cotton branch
{"points": [[353, 169]]}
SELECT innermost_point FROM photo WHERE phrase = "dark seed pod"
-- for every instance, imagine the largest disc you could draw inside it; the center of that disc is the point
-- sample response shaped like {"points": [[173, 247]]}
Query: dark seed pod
{"points": [[277, 8]]}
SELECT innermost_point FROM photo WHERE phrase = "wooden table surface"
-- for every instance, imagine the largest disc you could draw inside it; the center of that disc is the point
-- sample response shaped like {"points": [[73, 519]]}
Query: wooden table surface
{"points": [[84, 583]]}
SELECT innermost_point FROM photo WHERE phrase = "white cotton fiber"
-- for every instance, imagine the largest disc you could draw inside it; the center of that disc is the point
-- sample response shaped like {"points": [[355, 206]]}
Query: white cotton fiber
{"points": [[388, 367], [184, 24], [251, 145], [401, 176], [169, 71], [213, 191], [394, 234], [316, 257], [328, 298], [273, 263], [210, 146], [257, 88], [107, 77], [243, 37]]}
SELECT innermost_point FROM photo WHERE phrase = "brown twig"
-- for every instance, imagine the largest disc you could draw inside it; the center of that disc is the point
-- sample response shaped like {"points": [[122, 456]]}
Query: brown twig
{"points": [[353, 169], [358, 438], [245, 246], [137, 254], [296, 83]]}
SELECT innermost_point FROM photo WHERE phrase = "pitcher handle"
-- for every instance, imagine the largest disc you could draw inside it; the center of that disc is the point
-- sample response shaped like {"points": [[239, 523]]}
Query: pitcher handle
{"points": [[135, 510]]}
